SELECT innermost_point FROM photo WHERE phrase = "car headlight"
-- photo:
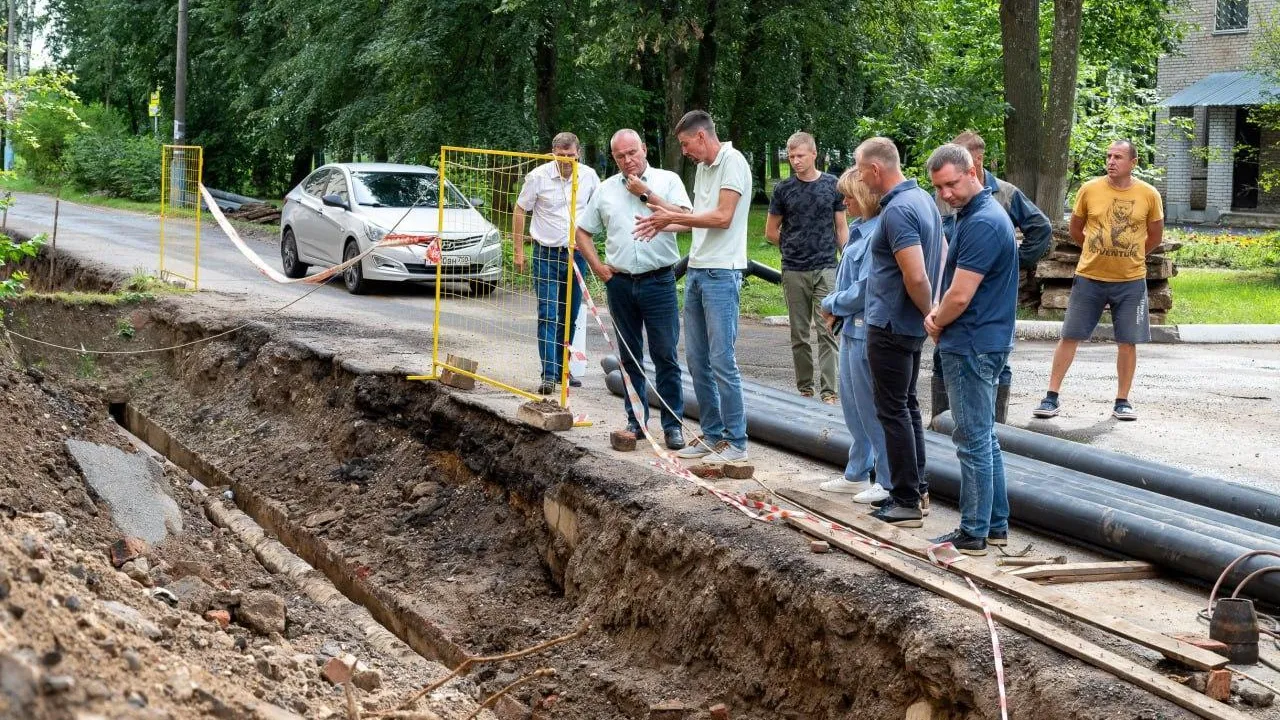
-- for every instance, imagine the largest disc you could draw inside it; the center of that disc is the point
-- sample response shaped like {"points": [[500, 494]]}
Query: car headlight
{"points": [[493, 237], [374, 233]]}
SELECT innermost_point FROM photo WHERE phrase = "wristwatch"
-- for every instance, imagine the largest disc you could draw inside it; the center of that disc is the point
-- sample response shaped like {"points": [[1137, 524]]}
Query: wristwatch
{"points": [[644, 197]]}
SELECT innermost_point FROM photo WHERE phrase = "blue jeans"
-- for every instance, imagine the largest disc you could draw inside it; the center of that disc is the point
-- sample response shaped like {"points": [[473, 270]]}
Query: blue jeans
{"points": [[648, 306], [710, 330], [866, 447], [550, 268], [971, 389]]}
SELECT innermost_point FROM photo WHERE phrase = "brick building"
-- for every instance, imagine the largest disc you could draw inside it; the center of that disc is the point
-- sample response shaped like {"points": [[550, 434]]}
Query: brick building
{"points": [[1207, 138]]}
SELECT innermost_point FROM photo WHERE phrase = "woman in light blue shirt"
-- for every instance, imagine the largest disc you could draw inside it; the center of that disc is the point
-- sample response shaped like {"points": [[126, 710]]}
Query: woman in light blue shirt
{"points": [[844, 308]]}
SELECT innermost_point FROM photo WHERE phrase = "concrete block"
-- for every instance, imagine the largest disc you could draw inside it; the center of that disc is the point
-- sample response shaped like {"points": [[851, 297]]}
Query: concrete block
{"points": [[622, 441], [819, 546], [456, 380], [545, 415], [738, 471]]}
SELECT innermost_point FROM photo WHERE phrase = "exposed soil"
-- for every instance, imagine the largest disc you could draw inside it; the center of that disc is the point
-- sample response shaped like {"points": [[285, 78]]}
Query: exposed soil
{"points": [[501, 536]]}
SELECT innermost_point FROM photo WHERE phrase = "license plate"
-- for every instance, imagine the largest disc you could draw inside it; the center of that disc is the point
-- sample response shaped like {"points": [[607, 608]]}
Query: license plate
{"points": [[456, 260]]}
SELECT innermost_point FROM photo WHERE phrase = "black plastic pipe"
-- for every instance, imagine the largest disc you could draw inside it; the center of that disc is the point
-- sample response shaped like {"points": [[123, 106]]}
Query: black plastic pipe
{"points": [[1199, 489], [760, 270], [826, 437], [1035, 499]]}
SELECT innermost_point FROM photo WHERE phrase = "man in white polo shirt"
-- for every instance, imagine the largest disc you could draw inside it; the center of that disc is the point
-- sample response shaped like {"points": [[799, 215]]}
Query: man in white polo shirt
{"points": [[545, 194], [638, 277], [717, 257]]}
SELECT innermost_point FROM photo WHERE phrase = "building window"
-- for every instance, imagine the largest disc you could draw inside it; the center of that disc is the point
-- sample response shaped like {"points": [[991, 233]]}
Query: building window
{"points": [[1232, 15]]}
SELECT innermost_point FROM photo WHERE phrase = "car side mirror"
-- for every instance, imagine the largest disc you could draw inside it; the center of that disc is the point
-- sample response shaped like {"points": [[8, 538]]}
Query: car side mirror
{"points": [[332, 200], [477, 202]]}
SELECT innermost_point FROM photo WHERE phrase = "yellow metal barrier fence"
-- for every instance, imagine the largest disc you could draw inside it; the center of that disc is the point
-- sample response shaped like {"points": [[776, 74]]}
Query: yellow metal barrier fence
{"points": [[506, 308], [181, 172]]}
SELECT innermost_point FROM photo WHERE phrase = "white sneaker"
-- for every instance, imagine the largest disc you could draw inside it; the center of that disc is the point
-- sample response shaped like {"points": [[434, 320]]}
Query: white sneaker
{"points": [[875, 493], [697, 448], [841, 485], [728, 453]]}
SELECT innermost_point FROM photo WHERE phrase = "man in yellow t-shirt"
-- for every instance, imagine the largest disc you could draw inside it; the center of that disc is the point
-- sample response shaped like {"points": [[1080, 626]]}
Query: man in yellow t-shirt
{"points": [[1117, 220]]}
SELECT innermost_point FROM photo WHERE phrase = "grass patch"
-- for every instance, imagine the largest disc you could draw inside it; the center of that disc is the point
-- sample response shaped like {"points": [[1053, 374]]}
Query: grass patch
{"points": [[1217, 296]]}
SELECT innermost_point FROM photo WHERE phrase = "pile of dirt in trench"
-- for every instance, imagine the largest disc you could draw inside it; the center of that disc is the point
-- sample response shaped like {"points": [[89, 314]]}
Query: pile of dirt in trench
{"points": [[83, 638]]}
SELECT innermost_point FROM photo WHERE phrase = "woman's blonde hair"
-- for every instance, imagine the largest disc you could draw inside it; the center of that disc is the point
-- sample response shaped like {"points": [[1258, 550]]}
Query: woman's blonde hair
{"points": [[850, 185]]}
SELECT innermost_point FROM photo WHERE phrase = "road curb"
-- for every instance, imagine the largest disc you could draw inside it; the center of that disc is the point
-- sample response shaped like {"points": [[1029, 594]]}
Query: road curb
{"points": [[1051, 330]]}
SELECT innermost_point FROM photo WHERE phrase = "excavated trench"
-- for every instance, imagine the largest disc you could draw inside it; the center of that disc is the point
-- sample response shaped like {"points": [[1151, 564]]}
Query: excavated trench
{"points": [[465, 532]]}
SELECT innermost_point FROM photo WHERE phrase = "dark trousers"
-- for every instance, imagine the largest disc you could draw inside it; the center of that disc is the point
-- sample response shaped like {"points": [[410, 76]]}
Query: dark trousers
{"points": [[895, 370], [648, 306]]}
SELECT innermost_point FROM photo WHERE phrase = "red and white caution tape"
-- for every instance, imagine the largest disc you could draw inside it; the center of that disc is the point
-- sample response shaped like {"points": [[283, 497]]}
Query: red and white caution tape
{"points": [[392, 240]]}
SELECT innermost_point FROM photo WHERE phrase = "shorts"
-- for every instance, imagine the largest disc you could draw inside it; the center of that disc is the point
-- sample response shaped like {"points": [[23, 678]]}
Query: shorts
{"points": [[1128, 302]]}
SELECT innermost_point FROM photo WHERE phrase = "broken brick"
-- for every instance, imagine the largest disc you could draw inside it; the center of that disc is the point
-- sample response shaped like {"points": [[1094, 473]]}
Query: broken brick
{"points": [[1203, 643], [739, 471], [819, 546], [338, 670], [1219, 685], [222, 617], [622, 440], [719, 712], [126, 549]]}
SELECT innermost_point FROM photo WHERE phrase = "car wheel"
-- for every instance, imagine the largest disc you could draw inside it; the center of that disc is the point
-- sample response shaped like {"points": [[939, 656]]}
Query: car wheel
{"points": [[289, 262], [353, 277], [483, 287]]}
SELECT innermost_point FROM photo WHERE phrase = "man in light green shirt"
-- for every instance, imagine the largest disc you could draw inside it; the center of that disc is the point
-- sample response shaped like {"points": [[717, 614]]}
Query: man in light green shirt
{"points": [[638, 277]]}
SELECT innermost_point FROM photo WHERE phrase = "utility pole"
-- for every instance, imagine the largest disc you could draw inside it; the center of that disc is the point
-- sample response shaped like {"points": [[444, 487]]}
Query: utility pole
{"points": [[10, 57], [178, 169], [179, 78]]}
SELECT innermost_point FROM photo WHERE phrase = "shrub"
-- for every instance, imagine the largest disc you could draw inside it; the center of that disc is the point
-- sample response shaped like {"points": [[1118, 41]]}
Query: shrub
{"points": [[1237, 252], [119, 165]]}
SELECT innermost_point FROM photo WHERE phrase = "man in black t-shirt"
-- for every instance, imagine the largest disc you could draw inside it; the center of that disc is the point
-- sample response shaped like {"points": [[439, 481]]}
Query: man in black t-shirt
{"points": [[806, 221]]}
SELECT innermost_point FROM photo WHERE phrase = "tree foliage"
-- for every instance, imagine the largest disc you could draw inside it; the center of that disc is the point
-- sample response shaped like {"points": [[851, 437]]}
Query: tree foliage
{"points": [[276, 86]]}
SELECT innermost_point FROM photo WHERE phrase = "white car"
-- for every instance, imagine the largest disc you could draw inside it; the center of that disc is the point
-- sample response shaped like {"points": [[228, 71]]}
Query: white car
{"points": [[342, 209]]}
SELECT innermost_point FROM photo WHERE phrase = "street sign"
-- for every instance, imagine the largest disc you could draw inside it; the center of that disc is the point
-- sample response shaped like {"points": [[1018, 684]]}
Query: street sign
{"points": [[153, 108]]}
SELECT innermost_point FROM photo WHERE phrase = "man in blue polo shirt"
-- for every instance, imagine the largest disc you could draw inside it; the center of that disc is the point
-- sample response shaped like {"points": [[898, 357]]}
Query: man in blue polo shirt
{"points": [[904, 263], [973, 329]]}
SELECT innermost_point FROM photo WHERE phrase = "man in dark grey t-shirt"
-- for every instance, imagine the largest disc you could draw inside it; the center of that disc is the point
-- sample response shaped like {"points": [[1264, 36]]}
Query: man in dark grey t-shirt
{"points": [[806, 220]]}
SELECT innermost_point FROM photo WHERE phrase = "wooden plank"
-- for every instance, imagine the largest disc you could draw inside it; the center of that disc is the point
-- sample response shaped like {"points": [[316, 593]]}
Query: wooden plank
{"points": [[1104, 577], [1018, 587], [1046, 632], [1087, 568]]}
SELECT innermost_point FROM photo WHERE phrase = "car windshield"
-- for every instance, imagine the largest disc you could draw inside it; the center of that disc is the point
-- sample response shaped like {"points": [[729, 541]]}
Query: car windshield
{"points": [[402, 190]]}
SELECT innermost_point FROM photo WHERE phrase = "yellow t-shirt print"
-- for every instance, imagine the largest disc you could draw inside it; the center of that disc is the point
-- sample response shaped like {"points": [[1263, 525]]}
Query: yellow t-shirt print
{"points": [[1115, 231]]}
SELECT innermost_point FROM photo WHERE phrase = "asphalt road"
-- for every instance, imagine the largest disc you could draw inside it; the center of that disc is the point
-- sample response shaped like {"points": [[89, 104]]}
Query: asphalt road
{"points": [[1211, 408]]}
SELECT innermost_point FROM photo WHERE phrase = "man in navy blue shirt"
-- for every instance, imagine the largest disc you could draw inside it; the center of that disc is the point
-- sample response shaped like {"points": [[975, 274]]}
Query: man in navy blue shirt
{"points": [[973, 329], [904, 264], [1037, 237]]}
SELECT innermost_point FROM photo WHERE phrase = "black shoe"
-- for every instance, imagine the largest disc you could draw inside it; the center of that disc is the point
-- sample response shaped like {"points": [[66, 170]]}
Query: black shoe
{"points": [[675, 439], [634, 428], [574, 382], [962, 542], [546, 388], [999, 538], [895, 514], [924, 504]]}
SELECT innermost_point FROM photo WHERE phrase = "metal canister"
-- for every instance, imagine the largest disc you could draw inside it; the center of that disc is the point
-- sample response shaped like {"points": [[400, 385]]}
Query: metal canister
{"points": [[1235, 623]]}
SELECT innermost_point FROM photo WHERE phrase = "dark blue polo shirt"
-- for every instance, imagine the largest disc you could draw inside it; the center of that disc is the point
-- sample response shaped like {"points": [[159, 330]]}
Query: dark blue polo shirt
{"points": [[908, 217], [983, 243]]}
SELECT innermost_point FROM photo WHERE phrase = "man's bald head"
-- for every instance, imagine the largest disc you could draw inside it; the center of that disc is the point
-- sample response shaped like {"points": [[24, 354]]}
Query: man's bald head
{"points": [[628, 152]]}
